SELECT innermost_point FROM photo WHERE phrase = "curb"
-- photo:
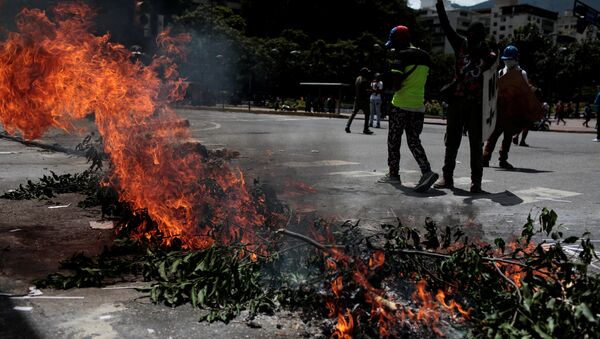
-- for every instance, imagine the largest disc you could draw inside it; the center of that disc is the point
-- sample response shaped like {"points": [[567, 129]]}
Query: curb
{"points": [[429, 120]]}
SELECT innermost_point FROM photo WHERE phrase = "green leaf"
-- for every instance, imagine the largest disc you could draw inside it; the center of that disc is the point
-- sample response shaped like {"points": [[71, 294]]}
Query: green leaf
{"points": [[202, 296], [584, 309], [162, 272], [541, 333]]}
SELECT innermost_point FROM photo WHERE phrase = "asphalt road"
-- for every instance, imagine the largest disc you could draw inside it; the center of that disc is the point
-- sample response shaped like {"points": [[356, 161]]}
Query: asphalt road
{"points": [[559, 171], [313, 166]]}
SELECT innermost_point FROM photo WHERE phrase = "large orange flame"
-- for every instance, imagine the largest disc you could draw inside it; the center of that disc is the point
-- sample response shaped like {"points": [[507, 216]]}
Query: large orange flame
{"points": [[53, 71]]}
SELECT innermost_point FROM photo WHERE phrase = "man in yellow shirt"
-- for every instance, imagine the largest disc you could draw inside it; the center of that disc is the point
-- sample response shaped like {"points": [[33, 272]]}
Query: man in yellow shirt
{"points": [[409, 75]]}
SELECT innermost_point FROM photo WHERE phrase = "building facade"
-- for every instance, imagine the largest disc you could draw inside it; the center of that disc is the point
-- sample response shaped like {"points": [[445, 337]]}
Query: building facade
{"points": [[460, 19], [501, 22]]}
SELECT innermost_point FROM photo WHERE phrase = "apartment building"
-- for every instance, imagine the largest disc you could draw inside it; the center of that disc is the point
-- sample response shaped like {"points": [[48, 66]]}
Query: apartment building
{"points": [[460, 19], [501, 20], [507, 16], [567, 29]]}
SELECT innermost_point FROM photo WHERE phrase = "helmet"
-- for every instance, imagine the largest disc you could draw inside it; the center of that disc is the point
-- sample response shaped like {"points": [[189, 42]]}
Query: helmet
{"points": [[510, 53], [399, 35]]}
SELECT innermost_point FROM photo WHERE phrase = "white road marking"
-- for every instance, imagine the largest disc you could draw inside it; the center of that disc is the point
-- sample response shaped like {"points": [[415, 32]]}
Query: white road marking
{"points": [[357, 174], [467, 181], [214, 126], [544, 194], [320, 163], [364, 174]]}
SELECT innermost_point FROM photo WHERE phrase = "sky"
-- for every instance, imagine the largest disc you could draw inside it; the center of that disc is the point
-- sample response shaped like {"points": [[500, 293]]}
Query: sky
{"points": [[417, 3]]}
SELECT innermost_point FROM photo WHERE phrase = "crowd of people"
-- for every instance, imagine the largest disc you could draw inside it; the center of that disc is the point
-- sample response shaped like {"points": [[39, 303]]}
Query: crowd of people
{"points": [[518, 108]]}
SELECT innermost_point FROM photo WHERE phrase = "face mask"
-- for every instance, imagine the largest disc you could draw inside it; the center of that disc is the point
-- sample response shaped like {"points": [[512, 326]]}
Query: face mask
{"points": [[511, 63]]}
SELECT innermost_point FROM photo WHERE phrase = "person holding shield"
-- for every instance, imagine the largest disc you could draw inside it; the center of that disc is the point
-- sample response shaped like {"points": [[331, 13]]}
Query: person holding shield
{"points": [[505, 126], [473, 57]]}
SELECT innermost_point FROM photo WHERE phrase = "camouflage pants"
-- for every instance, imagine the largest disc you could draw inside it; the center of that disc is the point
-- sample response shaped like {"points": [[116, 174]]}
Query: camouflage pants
{"points": [[412, 123]]}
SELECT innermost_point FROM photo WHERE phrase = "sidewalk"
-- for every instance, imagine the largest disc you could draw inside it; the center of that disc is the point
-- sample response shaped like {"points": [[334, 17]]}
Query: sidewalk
{"points": [[572, 126]]}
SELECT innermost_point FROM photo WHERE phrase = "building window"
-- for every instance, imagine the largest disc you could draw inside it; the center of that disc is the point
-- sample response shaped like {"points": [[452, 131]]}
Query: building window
{"points": [[502, 28], [495, 24]]}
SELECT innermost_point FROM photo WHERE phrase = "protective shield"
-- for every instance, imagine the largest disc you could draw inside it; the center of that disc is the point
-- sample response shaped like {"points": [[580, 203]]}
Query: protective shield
{"points": [[518, 107], [490, 98]]}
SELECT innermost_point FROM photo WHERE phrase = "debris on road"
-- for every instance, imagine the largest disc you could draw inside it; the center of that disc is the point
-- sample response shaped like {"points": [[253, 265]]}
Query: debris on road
{"points": [[102, 225], [23, 308], [59, 206]]}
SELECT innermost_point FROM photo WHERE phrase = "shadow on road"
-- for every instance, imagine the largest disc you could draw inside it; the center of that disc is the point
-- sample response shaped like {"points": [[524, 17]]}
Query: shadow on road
{"points": [[522, 170], [12, 322], [410, 191], [505, 198]]}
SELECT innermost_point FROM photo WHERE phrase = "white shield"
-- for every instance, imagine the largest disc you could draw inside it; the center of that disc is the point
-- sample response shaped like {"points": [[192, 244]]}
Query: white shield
{"points": [[490, 98]]}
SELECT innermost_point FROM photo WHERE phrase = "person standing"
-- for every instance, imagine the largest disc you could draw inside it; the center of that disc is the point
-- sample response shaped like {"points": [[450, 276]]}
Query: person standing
{"points": [[473, 57], [560, 113], [587, 114], [375, 99], [409, 72], [362, 92], [597, 106], [505, 126]]}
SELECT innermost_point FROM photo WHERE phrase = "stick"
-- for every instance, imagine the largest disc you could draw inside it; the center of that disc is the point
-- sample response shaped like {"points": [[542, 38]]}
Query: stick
{"points": [[303, 238], [517, 289]]}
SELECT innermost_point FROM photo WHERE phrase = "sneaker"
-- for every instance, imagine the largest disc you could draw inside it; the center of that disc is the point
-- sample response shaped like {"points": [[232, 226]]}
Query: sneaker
{"points": [[596, 140], [367, 132], [444, 183], [506, 165], [523, 144], [426, 181], [486, 163], [475, 188], [347, 129], [390, 179], [516, 141]]}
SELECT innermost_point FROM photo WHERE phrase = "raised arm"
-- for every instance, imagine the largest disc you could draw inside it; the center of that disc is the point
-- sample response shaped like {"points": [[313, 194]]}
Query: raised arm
{"points": [[455, 39]]}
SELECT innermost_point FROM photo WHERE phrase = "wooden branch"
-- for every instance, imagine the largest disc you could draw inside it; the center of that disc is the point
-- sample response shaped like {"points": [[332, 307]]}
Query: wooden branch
{"points": [[303, 238], [517, 289]]}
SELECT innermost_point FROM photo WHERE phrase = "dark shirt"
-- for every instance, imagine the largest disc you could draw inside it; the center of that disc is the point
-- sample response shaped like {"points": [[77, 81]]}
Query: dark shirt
{"points": [[471, 61], [362, 87]]}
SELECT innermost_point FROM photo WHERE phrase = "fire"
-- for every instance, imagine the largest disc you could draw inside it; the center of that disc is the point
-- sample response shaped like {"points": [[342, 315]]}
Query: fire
{"points": [[376, 260], [53, 72], [345, 326], [441, 298]]}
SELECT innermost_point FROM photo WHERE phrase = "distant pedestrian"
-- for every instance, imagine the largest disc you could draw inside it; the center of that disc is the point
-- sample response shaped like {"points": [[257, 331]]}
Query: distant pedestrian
{"points": [[561, 110], [375, 99], [587, 114], [472, 58], [330, 103], [362, 93], [546, 108], [409, 72], [597, 106]]}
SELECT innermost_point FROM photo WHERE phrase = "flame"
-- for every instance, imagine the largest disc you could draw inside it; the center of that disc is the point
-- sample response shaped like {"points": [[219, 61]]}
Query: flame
{"points": [[53, 72], [452, 306], [345, 326], [376, 260], [337, 286]]}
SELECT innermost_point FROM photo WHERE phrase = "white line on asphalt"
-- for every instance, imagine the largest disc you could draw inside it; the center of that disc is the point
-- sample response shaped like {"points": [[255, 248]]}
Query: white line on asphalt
{"points": [[320, 163], [215, 126], [536, 194], [356, 174]]}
